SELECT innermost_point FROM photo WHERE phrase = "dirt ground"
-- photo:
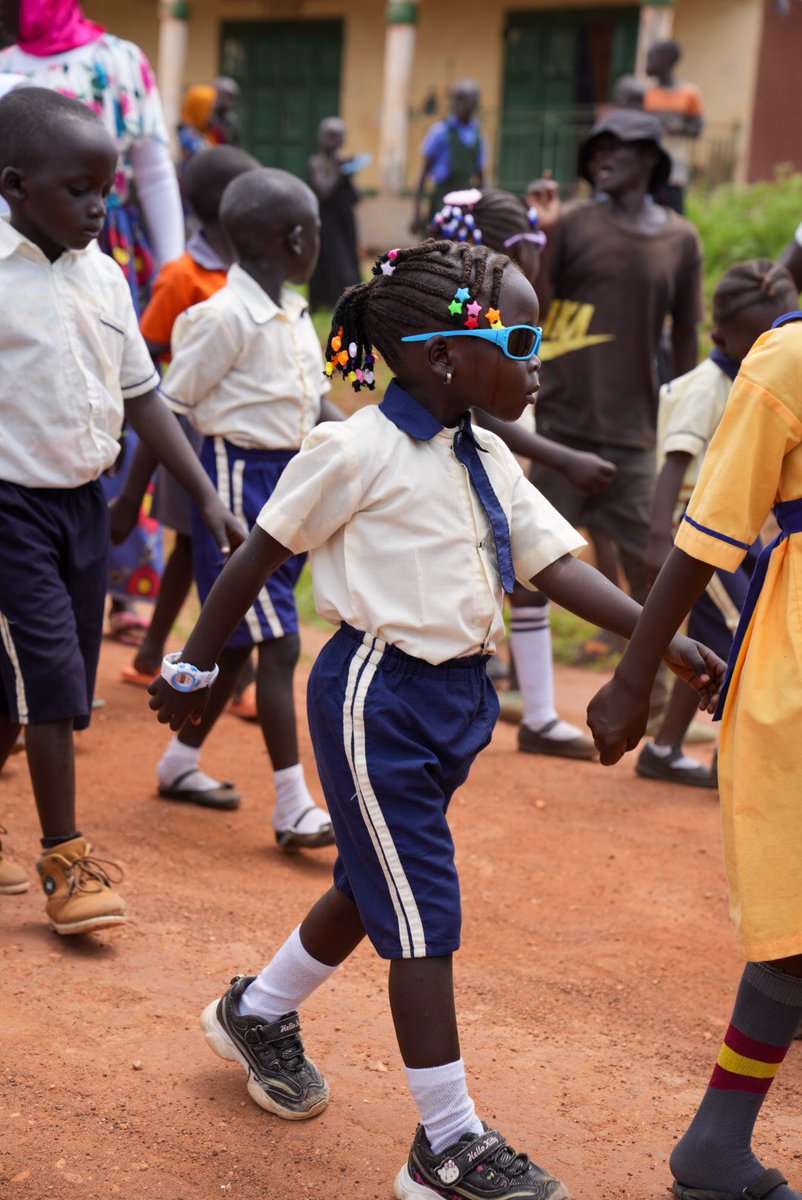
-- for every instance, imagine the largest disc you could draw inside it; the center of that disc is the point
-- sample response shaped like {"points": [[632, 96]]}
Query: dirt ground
{"points": [[594, 982]]}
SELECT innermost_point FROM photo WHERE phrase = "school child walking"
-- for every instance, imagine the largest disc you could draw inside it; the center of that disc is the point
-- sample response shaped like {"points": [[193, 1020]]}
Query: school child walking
{"points": [[502, 221], [748, 298], [247, 371], [72, 365], [189, 279], [417, 522], [754, 463]]}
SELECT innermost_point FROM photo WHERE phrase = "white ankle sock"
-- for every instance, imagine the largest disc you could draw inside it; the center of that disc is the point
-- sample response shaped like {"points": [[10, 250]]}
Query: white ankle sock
{"points": [[446, 1110], [283, 985], [293, 798], [530, 646], [177, 760]]}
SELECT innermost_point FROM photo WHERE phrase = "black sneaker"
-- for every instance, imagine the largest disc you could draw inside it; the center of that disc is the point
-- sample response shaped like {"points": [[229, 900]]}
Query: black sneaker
{"points": [[654, 766], [478, 1165], [280, 1076]]}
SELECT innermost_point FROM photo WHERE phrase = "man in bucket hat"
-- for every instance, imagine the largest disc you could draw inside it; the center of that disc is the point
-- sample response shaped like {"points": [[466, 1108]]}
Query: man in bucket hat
{"points": [[614, 269]]}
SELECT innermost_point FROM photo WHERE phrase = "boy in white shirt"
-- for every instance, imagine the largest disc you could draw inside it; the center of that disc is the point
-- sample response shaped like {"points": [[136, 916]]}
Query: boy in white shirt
{"points": [[247, 371], [748, 297], [73, 365]]}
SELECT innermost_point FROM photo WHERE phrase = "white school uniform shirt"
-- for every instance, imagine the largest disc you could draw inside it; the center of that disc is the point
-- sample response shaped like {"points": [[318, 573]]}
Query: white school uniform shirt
{"points": [[70, 351], [245, 369], [401, 547], [691, 408]]}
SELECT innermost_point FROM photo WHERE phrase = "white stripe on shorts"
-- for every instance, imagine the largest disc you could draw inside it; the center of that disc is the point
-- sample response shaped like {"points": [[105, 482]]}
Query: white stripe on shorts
{"points": [[19, 682], [360, 677], [263, 599]]}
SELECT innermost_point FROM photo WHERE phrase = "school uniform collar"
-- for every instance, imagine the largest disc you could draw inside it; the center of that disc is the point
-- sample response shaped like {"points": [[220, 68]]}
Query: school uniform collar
{"points": [[724, 363], [14, 242], [405, 412], [258, 304], [202, 253]]}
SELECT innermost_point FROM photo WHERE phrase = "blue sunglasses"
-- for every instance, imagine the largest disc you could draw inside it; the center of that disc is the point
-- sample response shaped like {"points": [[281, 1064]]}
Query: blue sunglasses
{"points": [[517, 341]]}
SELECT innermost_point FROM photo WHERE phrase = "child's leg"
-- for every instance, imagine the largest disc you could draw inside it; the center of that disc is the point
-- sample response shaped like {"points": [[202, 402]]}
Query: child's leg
{"points": [[178, 770], [51, 762], [541, 731], [9, 732], [716, 1154], [663, 758], [175, 584]]}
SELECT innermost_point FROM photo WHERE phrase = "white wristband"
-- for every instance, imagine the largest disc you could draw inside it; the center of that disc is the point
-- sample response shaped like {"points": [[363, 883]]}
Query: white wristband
{"points": [[183, 676]]}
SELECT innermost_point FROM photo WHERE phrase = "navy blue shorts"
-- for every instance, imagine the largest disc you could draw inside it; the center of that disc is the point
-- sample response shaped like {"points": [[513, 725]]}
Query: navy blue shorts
{"points": [[53, 554], [394, 737], [245, 480]]}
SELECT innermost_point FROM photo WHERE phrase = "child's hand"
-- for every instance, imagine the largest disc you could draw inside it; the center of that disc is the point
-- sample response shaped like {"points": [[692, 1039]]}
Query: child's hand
{"points": [[123, 518], [617, 716], [224, 527], [174, 708], [544, 195], [590, 473], [699, 667]]}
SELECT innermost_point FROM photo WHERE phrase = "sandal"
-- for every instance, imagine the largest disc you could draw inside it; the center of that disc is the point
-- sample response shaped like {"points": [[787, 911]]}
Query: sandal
{"points": [[291, 839], [127, 628], [138, 678], [224, 796], [759, 1188]]}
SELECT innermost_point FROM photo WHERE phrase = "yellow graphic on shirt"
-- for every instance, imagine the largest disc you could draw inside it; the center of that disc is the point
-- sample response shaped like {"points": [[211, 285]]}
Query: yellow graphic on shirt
{"points": [[566, 329]]}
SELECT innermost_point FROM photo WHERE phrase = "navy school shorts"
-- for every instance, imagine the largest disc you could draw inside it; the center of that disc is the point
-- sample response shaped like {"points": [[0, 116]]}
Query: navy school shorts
{"points": [[245, 481], [394, 737], [53, 554]]}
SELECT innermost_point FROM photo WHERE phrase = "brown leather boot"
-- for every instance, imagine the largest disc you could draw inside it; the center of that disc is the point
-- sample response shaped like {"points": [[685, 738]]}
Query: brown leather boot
{"points": [[12, 877], [79, 891]]}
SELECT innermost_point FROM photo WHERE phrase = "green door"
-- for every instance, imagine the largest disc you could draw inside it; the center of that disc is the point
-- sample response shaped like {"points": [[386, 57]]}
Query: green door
{"points": [[289, 72], [559, 67]]}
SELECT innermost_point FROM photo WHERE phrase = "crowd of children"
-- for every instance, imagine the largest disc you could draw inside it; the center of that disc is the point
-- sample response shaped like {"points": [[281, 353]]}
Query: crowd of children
{"points": [[418, 521]]}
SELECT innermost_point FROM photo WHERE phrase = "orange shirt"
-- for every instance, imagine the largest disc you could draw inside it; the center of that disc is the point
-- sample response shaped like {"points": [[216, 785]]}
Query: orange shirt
{"points": [[684, 98], [180, 284]]}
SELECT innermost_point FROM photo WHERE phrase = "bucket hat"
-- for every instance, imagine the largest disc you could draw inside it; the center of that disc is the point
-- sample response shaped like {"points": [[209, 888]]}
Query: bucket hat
{"points": [[628, 125]]}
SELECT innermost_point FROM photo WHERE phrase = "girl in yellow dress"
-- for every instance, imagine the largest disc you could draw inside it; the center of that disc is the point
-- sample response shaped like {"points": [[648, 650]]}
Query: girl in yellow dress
{"points": [[754, 464]]}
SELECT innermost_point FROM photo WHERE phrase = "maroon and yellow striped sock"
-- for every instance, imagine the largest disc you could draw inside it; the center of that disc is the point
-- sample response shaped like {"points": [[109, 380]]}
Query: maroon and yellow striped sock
{"points": [[716, 1152], [746, 1065]]}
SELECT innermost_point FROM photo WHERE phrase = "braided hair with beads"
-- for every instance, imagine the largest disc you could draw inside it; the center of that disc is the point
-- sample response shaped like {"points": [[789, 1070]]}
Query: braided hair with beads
{"points": [[436, 281]]}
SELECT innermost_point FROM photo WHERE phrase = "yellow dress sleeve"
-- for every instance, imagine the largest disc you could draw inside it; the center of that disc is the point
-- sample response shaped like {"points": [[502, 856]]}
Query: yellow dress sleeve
{"points": [[742, 471]]}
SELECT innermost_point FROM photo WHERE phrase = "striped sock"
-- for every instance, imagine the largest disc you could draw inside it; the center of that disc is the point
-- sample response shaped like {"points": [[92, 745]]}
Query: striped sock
{"points": [[716, 1152], [530, 646]]}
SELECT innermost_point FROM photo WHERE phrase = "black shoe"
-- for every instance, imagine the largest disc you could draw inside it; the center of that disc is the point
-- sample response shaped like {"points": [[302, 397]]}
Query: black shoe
{"points": [[280, 1076], [537, 741], [478, 1165], [653, 766]]}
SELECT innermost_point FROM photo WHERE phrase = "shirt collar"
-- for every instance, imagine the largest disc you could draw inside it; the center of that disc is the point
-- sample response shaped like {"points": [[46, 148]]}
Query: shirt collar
{"points": [[723, 361], [260, 307], [202, 253], [400, 408], [12, 241]]}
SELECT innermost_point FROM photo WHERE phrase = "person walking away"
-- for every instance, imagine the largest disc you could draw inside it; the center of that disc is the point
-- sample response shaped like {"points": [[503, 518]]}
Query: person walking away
{"points": [[678, 107]]}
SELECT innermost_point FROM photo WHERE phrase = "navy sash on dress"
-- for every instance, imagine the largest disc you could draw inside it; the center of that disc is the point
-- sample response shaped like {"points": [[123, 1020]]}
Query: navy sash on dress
{"points": [[788, 514]]}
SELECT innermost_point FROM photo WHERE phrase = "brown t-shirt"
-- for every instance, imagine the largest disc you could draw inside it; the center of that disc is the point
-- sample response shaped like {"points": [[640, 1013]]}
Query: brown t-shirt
{"points": [[613, 289]]}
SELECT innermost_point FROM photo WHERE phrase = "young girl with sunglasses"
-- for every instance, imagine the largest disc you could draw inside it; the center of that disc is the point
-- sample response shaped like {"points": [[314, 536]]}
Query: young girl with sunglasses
{"points": [[417, 523]]}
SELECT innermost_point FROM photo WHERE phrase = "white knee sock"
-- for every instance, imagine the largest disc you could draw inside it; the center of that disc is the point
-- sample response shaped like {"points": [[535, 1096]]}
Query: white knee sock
{"points": [[283, 985], [292, 796], [530, 646], [446, 1110]]}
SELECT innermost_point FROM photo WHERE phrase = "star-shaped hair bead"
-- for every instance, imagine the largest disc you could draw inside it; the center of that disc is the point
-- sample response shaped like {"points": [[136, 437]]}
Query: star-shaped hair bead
{"points": [[455, 307], [473, 309], [388, 268], [493, 318], [462, 294], [471, 321]]}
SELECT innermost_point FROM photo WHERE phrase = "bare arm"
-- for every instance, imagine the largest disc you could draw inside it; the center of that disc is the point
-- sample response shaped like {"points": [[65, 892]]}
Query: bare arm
{"points": [[124, 508], [791, 259], [416, 225], [666, 494], [588, 472], [157, 427], [684, 347], [233, 593], [618, 713]]}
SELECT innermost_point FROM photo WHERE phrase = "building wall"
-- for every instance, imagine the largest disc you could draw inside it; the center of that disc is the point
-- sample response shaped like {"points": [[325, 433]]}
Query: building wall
{"points": [[720, 40], [776, 135]]}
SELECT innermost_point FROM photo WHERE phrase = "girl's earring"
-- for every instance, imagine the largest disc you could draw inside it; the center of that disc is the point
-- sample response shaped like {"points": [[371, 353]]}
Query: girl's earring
{"points": [[447, 377]]}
